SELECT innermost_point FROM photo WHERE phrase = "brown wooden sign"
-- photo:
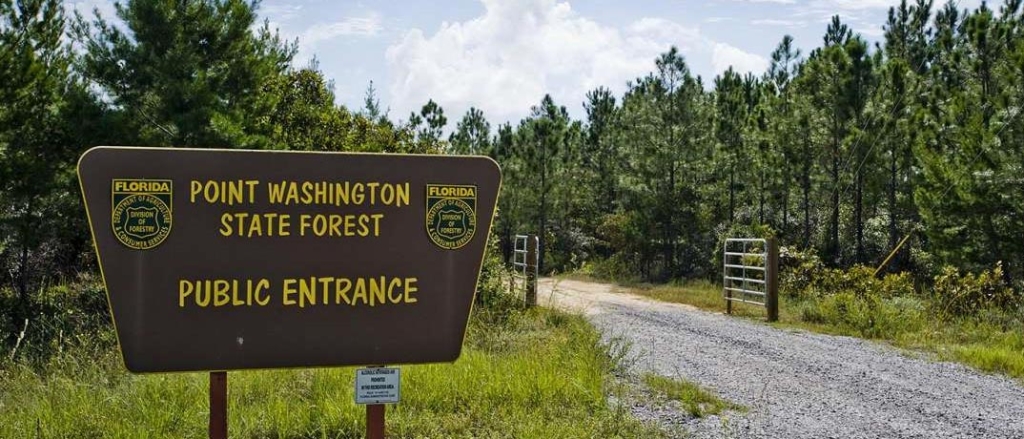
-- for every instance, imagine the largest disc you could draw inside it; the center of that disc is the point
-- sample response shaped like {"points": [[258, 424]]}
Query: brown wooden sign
{"points": [[223, 259]]}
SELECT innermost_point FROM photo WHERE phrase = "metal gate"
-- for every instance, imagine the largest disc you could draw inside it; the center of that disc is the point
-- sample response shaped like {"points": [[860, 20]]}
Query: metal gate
{"points": [[519, 255], [750, 274], [525, 252]]}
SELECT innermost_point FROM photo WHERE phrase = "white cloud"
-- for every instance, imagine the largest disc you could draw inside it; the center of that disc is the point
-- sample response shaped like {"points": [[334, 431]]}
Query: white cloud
{"points": [[866, 9], [280, 11], [780, 23], [349, 26], [660, 31], [89, 9], [318, 35], [857, 14], [781, 2], [873, 31], [86, 8], [725, 56], [858, 5], [505, 60]]}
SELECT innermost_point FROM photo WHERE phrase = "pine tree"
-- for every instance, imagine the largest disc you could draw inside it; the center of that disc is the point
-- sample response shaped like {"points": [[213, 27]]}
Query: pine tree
{"points": [[190, 73], [472, 134], [432, 116], [45, 120], [784, 134], [600, 153]]}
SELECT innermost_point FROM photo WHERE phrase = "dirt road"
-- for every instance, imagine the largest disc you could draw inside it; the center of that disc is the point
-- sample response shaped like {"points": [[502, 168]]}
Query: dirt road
{"points": [[797, 384]]}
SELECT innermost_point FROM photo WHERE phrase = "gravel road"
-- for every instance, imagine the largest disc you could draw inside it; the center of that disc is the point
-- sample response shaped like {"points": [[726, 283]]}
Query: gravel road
{"points": [[795, 384]]}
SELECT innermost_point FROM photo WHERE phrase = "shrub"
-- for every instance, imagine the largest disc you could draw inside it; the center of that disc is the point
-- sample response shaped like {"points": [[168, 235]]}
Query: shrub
{"points": [[58, 317], [615, 267], [494, 298], [866, 315], [854, 300], [797, 271], [966, 294], [807, 279]]}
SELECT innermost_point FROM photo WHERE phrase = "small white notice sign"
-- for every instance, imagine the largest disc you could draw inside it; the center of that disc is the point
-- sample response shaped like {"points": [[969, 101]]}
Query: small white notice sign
{"points": [[377, 385]]}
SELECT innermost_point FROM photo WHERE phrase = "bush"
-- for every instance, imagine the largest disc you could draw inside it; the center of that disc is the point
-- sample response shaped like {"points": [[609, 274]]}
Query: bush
{"points": [[802, 276], [613, 268], [965, 294], [57, 317], [866, 315], [495, 304], [854, 300], [861, 281], [797, 271]]}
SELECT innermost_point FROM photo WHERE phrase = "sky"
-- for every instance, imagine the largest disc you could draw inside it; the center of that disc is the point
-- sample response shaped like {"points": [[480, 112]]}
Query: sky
{"points": [[503, 56]]}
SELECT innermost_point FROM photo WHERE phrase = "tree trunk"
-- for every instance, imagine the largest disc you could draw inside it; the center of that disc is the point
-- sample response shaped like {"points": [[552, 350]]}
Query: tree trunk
{"points": [[893, 232], [834, 220], [732, 192], [23, 275], [670, 256], [543, 225], [807, 194], [785, 201], [760, 201], [833, 239], [543, 210], [859, 215]]}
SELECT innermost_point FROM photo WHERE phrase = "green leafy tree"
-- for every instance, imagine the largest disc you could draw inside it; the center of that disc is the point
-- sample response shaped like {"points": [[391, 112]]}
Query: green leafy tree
{"points": [[371, 104], [190, 73], [472, 134], [783, 131], [971, 156], [601, 154], [47, 119], [661, 129], [33, 154], [433, 122], [305, 117], [859, 88], [730, 123], [541, 144]]}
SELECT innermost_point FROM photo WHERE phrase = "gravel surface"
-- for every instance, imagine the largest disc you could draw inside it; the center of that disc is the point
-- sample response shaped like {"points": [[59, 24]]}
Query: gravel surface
{"points": [[795, 384]]}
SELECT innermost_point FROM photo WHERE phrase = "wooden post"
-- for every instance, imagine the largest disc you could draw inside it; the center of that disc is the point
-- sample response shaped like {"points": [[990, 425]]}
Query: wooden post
{"points": [[772, 280], [218, 405], [532, 248], [375, 421]]}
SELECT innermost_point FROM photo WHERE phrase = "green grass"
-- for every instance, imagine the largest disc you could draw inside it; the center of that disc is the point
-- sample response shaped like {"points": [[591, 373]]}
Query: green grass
{"points": [[990, 343], [536, 374], [697, 401]]}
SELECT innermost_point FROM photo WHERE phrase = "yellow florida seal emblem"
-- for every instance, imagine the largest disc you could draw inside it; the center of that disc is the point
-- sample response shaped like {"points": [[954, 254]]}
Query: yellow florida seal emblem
{"points": [[451, 215], [141, 214]]}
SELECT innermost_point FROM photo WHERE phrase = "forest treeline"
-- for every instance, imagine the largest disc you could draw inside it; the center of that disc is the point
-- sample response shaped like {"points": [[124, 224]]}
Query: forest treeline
{"points": [[162, 73], [840, 152]]}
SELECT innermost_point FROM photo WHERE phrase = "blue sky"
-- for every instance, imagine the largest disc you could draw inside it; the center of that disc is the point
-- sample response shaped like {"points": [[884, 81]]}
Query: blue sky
{"points": [[502, 55]]}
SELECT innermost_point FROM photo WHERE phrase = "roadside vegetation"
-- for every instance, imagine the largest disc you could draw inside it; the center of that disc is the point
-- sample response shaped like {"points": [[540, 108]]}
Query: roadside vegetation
{"points": [[846, 150], [850, 151], [695, 400], [974, 319], [523, 373]]}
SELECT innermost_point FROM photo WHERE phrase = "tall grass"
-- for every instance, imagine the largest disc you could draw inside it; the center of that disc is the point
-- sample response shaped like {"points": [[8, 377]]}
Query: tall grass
{"points": [[522, 374], [697, 401]]}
